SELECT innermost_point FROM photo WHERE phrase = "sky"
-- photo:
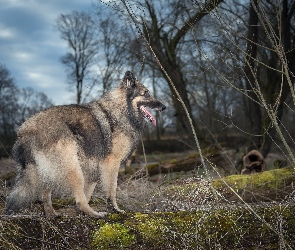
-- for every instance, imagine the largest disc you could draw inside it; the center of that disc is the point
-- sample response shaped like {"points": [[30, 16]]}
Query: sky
{"points": [[31, 48]]}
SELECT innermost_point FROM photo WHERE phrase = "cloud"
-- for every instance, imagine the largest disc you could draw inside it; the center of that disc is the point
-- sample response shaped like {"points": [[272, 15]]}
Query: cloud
{"points": [[6, 32], [31, 48]]}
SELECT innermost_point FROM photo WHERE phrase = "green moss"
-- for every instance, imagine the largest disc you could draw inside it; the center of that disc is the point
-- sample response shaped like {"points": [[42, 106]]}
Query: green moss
{"points": [[129, 170], [271, 179], [271, 185], [172, 161], [192, 156], [153, 168], [210, 151], [234, 181], [213, 229], [67, 202], [112, 236], [272, 227], [150, 228], [279, 163]]}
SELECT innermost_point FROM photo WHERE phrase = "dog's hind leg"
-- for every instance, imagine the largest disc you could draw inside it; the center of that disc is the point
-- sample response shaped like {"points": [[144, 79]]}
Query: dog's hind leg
{"points": [[74, 178], [48, 209], [76, 181], [88, 189]]}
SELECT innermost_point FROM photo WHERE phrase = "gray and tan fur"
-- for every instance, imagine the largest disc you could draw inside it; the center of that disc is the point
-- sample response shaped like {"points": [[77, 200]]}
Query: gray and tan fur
{"points": [[72, 147]]}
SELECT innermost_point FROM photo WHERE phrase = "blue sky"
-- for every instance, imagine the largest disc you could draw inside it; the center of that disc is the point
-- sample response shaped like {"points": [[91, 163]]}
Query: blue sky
{"points": [[30, 48]]}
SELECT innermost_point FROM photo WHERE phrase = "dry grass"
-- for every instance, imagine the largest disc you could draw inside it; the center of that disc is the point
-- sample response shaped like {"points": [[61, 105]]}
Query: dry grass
{"points": [[198, 218]]}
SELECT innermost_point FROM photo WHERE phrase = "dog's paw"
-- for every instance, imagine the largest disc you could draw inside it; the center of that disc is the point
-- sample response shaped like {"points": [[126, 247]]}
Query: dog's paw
{"points": [[119, 210], [51, 214], [100, 214]]}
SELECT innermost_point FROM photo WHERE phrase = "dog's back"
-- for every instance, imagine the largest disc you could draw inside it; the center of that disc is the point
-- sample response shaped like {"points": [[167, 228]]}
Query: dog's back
{"points": [[75, 123]]}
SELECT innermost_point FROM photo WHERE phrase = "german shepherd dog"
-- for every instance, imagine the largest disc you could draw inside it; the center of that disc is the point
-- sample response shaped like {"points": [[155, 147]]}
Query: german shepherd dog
{"points": [[69, 148]]}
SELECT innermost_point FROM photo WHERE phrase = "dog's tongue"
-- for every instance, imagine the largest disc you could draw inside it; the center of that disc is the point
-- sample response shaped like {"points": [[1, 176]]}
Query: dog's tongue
{"points": [[148, 116]]}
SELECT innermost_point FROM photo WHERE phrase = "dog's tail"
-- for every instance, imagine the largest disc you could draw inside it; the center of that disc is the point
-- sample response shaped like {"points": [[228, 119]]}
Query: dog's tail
{"points": [[24, 192]]}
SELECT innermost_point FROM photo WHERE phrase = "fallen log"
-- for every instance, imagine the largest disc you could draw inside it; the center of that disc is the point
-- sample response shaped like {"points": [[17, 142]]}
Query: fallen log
{"points": [[266, 227]]}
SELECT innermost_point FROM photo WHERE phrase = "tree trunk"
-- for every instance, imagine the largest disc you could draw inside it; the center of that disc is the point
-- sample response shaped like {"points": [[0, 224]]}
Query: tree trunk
{"points": [[183, 123], [157, 113], [277, 89], [166, 48], [253, 109]]}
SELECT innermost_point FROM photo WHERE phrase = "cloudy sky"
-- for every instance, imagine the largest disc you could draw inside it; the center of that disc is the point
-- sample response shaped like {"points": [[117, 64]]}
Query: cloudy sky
{"points": [[30, 48]]}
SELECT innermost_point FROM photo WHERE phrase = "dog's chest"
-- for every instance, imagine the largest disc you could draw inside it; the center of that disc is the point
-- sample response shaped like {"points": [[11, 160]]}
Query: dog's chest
{"points": [[122, 145]]}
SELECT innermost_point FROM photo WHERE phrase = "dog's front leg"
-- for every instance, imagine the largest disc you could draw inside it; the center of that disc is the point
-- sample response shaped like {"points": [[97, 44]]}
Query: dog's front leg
{"points": [[109, 176], [112, 195]]}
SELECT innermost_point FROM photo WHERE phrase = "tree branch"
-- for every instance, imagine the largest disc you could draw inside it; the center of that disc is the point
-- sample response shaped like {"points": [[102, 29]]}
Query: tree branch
{"points": [[206, 9]]}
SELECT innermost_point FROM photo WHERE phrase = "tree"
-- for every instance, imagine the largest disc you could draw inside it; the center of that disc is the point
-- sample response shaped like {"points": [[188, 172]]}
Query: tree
{"points": [[165, 26], [221, 56], [282, 59], [8, 105], [30, 102], [253, 109], [267, 81], [112, 50], [79, 31], [16, 105], [260, 62]]}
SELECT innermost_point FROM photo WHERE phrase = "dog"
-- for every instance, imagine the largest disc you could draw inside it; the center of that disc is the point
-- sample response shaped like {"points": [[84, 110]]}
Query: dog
{"points": [[253, 162], [70, 148]]}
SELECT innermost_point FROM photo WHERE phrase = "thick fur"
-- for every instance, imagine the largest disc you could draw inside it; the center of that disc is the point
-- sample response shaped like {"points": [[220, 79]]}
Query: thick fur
{"points": [[70, 148], [253, 162]]}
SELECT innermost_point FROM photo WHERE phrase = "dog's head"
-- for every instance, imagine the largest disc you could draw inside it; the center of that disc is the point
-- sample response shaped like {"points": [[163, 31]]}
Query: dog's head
{"points": [[140, 98]]}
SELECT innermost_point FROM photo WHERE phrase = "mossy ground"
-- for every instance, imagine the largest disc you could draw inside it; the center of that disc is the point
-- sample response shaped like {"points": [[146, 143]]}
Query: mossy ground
{"points": [[271, 227], [272, 185], [216, 225], [271, 179]]}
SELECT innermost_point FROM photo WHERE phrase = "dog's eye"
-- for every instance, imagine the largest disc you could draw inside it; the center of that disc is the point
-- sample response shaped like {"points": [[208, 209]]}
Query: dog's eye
{"points": [[147, 94]]}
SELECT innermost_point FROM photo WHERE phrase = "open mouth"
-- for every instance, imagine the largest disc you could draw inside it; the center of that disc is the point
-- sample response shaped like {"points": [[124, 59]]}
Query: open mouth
{"points": [[147, 115]]}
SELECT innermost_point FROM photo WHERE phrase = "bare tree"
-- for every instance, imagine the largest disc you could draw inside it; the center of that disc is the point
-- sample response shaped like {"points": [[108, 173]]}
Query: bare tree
{"points": [[166, 31], [31, 102], [8, 104], [282, 56], [269, 53], [253, 103], [16, 105], [221, 56], [79, 31], [113, 38]]}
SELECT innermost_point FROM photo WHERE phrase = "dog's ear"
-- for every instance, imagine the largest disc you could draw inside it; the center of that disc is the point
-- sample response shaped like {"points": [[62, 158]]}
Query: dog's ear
{"points": [[129, 80]]}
